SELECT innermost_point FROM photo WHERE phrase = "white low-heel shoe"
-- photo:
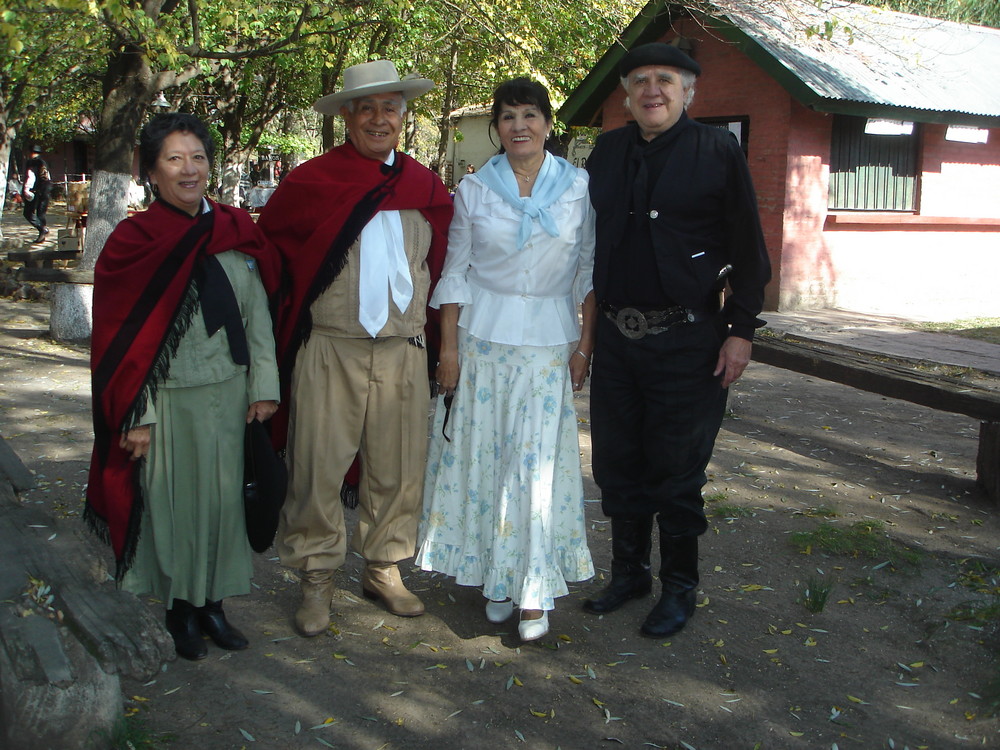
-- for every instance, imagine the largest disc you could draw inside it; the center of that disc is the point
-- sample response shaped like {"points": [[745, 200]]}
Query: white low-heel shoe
{"points": [[532, 630], [497, 612]]}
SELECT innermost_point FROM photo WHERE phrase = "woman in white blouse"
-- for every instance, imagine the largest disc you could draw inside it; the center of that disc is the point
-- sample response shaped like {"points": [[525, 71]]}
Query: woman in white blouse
{"points": [[503, 499]]}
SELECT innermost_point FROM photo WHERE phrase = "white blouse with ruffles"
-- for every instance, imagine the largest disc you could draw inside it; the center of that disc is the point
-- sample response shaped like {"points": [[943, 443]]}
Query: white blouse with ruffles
{"points": [[518, 297]]}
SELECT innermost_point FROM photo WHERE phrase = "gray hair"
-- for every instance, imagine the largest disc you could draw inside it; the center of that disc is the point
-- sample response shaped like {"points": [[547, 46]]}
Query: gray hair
{"points": [[688, 79], [350, 104]]}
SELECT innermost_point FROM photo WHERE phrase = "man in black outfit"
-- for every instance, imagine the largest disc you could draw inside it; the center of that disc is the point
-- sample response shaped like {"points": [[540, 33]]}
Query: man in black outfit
{"points": [[676, 221], [35, 192]]}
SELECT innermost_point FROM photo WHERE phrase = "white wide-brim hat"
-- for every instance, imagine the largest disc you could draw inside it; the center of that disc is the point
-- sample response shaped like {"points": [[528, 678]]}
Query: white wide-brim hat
{"points": [[376, 77]]}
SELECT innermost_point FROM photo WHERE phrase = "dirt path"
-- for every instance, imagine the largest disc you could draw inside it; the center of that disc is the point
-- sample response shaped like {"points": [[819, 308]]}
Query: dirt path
{"points": [[880, 666]]}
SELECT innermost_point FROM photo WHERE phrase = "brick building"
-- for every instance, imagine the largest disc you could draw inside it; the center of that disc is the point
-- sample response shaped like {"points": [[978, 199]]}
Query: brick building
{"points": [[874, 145]]}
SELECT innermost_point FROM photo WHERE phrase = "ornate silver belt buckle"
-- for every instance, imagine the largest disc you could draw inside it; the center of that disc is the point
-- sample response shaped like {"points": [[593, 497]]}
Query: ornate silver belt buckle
{"points": [[631, 323]]}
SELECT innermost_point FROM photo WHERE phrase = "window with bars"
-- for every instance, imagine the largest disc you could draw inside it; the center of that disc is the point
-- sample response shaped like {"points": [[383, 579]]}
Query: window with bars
{"points": [[871, 172]]}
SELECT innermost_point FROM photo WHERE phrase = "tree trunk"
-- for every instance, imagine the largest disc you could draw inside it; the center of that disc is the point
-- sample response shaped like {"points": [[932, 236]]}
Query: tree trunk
{"points": [[232, 171], [328, 80], [6, 139], [126, 82], [71, 316], [444, 126], [108, 204], [4, 161]]}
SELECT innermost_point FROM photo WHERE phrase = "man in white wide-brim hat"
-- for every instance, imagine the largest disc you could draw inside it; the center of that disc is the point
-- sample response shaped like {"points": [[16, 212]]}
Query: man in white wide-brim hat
{"points": [[362, 230]]}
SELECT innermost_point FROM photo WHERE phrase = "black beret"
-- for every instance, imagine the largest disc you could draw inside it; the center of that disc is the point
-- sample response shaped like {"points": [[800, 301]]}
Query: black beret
{"points": [[656, 53]]}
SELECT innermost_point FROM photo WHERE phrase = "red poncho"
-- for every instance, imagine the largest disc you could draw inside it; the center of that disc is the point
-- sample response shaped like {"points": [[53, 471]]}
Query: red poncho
{"points": [[141, 311], [315, 216]]}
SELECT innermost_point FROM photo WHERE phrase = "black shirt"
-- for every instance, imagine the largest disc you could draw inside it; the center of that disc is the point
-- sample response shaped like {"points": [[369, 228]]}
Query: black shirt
{"points": [[36, 165], [684, 199], [634, 279]]}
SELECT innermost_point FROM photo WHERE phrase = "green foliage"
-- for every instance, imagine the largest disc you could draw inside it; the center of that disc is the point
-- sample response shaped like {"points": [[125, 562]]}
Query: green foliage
{"points": [[555, 41], [130, 733], [977, 611], [981, 329], [980, 577], [289, 143], [863, 539], [980, 12], [729, 510], [820, 511], [984, 580], [982, 613], [816, 594]]}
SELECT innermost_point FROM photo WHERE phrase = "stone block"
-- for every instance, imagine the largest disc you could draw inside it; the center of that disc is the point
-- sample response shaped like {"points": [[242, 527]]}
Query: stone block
{"points": [[53, 693]]}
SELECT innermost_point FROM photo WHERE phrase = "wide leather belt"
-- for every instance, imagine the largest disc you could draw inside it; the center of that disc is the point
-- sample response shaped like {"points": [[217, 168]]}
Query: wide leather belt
{"points": [[636, 324]]}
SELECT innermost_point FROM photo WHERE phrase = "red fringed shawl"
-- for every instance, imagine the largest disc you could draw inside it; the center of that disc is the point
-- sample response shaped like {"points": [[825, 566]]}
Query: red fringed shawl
{"points": [[143, 303], [315, 216]]}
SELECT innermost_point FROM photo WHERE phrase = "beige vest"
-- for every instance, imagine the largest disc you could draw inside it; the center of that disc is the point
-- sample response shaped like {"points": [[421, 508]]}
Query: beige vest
{"points": [[335, 311]]}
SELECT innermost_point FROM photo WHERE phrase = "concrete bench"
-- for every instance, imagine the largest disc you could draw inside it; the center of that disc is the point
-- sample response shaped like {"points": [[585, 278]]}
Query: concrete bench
{"points": [[41, 258], [66, 633], [842, 365], [54, 275]]}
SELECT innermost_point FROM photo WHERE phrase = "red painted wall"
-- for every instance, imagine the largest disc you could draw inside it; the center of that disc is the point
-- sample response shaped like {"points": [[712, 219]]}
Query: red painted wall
{"points": [[809, 276], [915, 266], [729, 86], [959, 179], [935, 264]]}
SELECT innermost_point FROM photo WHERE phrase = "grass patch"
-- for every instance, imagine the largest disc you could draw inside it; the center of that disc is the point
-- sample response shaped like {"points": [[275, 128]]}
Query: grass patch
{"points": [[864, 539], [873, 592], [131, 733], [980, 577], [982, 613], [821, 511], [976, 611], [985, 581], [815, 596], [729, 510], [981, 329]]}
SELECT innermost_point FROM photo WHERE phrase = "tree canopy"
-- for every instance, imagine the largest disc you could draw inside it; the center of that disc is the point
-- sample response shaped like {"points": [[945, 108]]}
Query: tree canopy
{"points": [[979, 12]]}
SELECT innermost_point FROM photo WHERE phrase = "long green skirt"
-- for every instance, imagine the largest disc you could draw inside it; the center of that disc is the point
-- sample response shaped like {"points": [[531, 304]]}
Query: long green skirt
{"points": [[193, 542]]}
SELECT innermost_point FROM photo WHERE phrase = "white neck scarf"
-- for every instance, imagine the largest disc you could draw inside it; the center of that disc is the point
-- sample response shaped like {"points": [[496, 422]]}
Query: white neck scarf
{"points": [[384, 269]]}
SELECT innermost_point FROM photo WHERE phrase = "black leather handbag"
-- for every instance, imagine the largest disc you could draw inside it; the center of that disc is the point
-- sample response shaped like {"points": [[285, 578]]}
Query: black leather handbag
{"points": [[265, 481]]}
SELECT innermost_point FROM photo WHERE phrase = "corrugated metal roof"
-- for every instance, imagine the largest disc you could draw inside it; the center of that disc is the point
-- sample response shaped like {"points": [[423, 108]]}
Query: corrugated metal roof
{"points": [[877, 56], [876, 63]]}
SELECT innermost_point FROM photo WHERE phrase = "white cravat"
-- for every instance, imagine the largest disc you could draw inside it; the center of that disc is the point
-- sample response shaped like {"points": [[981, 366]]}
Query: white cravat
{"points": [[384, 268]]}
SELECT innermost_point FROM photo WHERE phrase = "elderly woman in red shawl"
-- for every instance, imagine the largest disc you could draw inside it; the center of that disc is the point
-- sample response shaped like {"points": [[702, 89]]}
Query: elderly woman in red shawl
{"points": [[182, 359]]}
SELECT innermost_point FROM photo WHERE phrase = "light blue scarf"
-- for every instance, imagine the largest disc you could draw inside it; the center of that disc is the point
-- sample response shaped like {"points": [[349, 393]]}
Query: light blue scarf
{"points": [[554, 178]]}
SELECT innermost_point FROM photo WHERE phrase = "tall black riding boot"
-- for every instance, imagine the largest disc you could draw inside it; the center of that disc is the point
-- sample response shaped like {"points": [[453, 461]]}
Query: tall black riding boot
{"points": [[214, 624], [182, 624], [630, 576], [679, 576]]}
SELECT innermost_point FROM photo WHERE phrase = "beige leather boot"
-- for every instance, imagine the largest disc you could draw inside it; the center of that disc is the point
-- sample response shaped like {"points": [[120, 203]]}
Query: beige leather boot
{"points": [[313, 615], [381, 581]]}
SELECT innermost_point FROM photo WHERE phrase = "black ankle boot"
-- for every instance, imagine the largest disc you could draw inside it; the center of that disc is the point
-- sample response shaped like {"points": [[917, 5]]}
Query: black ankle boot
{"points": [[630, 576], [182, 624], [679, 576], [214, 624]]}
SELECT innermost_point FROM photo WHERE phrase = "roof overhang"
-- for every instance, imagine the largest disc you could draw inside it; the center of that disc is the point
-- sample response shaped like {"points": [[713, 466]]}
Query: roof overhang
{"points": [[585, 104], [807, 97]]}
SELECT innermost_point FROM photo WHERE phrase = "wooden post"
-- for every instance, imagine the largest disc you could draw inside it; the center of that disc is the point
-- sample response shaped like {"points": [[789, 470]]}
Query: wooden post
{"points": [[988, 460]]}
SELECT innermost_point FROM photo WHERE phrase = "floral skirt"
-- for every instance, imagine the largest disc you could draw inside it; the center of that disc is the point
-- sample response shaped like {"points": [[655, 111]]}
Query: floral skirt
{"points": [[503, 499]]}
